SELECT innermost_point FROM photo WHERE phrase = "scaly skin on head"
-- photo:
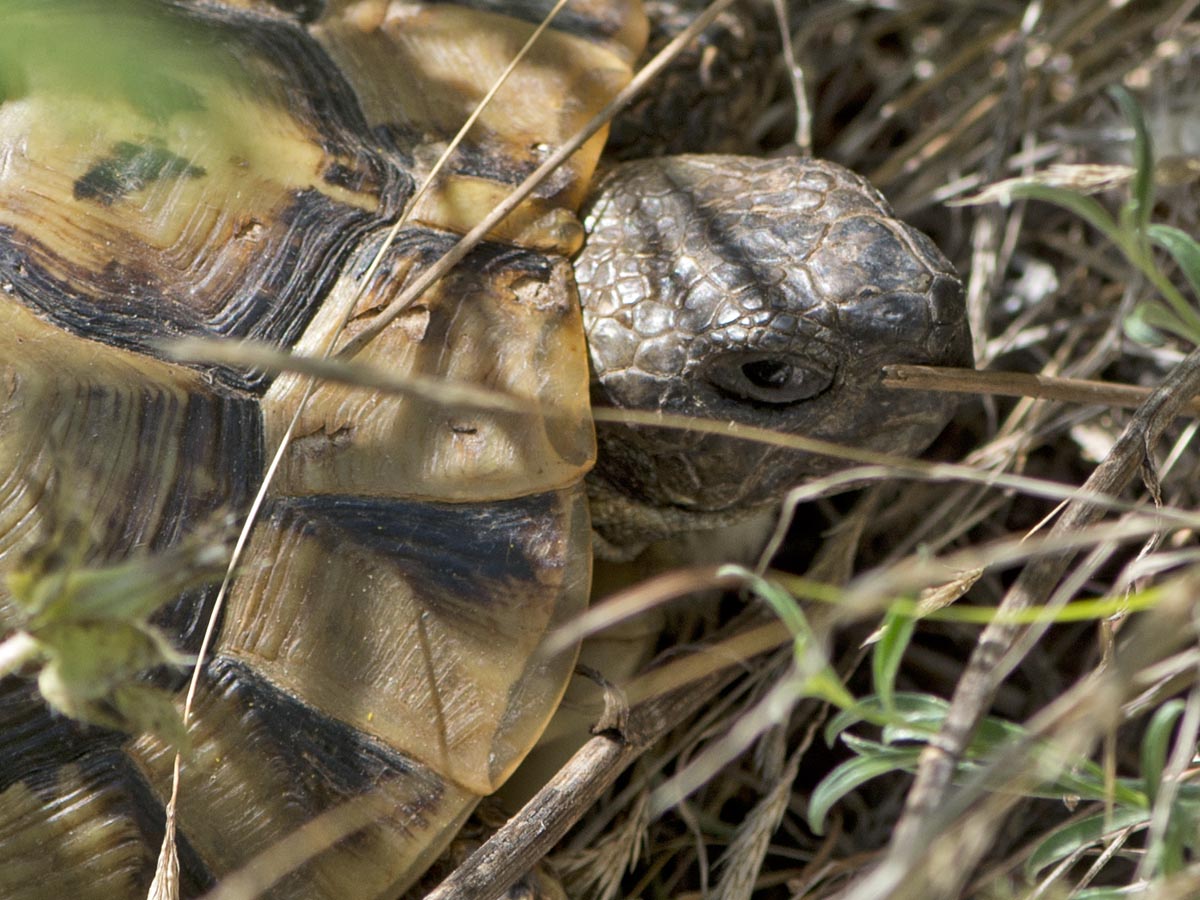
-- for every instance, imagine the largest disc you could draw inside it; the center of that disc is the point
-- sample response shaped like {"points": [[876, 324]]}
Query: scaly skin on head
{"points": [[764, 292]]}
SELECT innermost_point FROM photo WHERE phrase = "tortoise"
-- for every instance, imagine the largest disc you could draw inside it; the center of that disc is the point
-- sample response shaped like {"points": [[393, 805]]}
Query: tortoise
{"points": [[382, 635]]}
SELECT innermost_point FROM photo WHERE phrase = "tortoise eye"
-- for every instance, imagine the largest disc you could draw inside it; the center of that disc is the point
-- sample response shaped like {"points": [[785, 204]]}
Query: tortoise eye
{"points": [[770, 379], [769, 374]]}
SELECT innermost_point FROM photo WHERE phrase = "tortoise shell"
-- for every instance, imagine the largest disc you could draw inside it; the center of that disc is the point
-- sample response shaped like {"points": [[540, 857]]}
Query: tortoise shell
{"points": [[172, 169], [177, 169]]}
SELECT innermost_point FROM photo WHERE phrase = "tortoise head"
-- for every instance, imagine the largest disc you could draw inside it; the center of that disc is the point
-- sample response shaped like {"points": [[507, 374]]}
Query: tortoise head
{"points": [[765, 292]]}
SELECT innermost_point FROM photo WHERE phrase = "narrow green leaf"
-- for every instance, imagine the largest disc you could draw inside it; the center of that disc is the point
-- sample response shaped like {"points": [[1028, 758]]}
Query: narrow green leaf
{"points": [[915, 717], [1067, 839], [1156, 744], [1189, 795], [904, 730], [864, 747], [894, 638], [825, 685], [1141, 199], [1111, 893], [1091, 786], [1092, 792], [1083, 206], [1139, 325], [1183, 249], [908, 708], [849, 775], [1151, 318], [1178, 842], [817, 678], [847, 718], [782, 603]]}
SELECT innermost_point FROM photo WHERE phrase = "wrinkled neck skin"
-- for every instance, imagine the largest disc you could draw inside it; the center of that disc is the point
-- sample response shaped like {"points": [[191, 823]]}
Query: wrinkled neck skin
{"points": [[623, 526], [769, 293]]}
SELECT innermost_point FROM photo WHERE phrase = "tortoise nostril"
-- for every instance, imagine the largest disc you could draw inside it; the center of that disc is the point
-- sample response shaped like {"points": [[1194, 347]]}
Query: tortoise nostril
{"points": [[768, 374]]}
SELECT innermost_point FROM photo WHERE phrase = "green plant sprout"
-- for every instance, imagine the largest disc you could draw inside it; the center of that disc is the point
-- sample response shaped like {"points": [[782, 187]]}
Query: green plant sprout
{"points": [[83, 625], [1132, 232]]}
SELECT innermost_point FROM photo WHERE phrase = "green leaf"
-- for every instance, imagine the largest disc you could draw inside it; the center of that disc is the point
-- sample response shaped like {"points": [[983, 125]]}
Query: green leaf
{"points": [[1183, 249], [1180, 837], [893, 640], [865, 747], [782, 603], [908, 708], [1156, 744], [90, 675], [1151, 318], [852, 773], [915, 717], [1111, 893], [1136, 213], [113, 50], [1139, 326], [816, 677], [825, 685], [1081, 205], [1074, 836], [84, 621]]}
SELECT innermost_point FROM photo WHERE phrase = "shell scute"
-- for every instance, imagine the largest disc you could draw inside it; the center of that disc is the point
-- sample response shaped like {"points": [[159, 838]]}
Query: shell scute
{"points": [[78, 819], [264, 764], [378, 613]]}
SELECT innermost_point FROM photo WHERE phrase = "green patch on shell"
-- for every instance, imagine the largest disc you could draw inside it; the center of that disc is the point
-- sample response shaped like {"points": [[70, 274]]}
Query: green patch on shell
{"points": [[84, 625]]}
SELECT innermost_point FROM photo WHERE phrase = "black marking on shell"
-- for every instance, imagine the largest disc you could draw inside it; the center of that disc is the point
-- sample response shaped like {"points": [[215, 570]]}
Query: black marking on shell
{"points": [[128, 168], [326, 760], [426, 245], [210, 453], [710, 94], [317, 762], [219, 443], [301, 10], [135, 309], [511, 542], [229, 430], [339, 174], [502, 165], [598, 21], [38, 744]]}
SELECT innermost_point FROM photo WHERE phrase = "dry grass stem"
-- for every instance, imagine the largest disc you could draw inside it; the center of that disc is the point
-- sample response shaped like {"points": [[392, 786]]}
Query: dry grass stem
{"points": [[1021, 384]]}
